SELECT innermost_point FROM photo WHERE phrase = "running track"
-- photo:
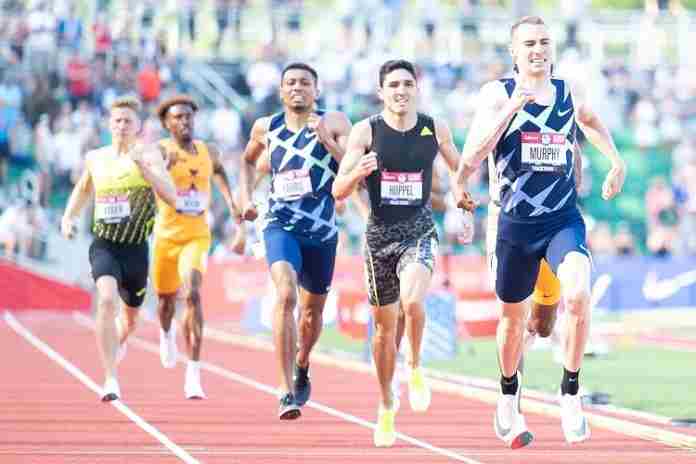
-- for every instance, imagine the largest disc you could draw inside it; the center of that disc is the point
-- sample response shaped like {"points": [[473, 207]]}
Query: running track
{"points": [[51, 416]]}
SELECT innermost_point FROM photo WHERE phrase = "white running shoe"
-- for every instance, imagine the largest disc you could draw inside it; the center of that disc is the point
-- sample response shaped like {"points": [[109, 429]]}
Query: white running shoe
{"points": [[192, 385], [418, 390], [168, 349], [122, 347], [111, 390], [575, 425], [509, 423]]}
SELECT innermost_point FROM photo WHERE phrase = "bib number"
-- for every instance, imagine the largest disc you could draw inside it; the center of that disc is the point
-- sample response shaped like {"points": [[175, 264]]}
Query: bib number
{"points": [[292, 185], [543, 152], [112, 208], [191, 203], [401, 188]]}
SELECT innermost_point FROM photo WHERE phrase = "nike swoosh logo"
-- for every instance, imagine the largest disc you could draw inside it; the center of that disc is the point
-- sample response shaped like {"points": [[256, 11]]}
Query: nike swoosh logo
{"points": [[309, 135], [562, 114], [656, 290]]}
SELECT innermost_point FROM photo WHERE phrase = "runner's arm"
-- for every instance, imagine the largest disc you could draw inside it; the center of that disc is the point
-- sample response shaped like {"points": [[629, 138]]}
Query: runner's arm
{"points": [[351, 171], [254, 149], [223, 183], [153, 167], [494, 113], [78, 197], [598, 134], [333, 130]]}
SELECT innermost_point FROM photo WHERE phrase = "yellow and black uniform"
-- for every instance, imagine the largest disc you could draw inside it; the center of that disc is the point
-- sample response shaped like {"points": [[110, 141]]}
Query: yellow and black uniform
{"points": [[124, 211], [547, 289], [182, 234]]}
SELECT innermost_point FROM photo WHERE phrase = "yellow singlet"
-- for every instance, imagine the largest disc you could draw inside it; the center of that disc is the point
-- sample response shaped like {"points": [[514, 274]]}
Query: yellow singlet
{"points": [[191, 173], [124, 205]]}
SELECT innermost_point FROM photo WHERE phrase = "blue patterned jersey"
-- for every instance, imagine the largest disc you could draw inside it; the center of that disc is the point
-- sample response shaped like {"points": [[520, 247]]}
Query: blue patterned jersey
{"points": [[302, 171], [534, 157]]}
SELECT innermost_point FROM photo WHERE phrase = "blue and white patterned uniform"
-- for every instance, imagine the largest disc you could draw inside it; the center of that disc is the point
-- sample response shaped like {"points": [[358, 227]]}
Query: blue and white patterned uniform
{"points": [[532, 189], [300, 225], [539, 217], [313, 215]]}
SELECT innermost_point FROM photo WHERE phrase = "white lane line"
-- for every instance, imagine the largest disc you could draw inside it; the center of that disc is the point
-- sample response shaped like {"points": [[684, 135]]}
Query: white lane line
{"points": [[82, 377], [222, 372], [478, 392]]}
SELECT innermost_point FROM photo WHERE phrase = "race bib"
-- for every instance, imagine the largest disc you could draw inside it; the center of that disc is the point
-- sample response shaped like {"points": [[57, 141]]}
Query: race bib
{"points": [[112, 208], [543, 152], [401, 188], [191, 202], [292, 185]]}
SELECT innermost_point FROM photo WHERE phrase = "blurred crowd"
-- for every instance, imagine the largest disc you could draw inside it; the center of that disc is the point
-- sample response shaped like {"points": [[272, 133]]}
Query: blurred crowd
{"points": [[62, 62]]}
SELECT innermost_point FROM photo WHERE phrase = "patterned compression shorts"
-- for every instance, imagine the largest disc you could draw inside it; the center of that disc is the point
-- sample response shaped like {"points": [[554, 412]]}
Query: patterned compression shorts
{"points": [[389, 248]]}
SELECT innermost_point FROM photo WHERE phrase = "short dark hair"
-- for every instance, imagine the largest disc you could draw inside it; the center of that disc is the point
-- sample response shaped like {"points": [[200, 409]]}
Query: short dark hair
{"points": [[302, 66], [175, 100], [393, 65]]}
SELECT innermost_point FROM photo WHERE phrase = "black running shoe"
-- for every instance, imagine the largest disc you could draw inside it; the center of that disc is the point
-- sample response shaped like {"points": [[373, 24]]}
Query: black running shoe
{"points": [[303, 386], [288, 408]]}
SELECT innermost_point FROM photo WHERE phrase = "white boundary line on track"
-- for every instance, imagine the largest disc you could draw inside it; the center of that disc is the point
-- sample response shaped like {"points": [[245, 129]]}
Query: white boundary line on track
{"points": [[613, 424], [89, 383], [222, 372]]}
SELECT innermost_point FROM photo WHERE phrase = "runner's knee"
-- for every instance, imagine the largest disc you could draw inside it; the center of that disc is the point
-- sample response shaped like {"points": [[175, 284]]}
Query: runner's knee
{"points": [[193, 298], [107, 304], [287, 295], [412, 307], [574, 274]]}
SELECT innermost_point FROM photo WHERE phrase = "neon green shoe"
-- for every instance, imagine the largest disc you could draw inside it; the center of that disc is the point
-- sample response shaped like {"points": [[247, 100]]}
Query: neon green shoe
{"points": [[418, 391], [385, 434]]}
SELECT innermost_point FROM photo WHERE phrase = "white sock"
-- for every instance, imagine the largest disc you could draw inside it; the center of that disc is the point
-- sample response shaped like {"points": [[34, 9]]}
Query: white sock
{"points": [[193, 368]]}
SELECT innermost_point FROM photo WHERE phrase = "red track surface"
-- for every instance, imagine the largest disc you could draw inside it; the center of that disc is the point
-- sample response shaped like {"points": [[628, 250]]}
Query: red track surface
{"points": [[48, 416]]}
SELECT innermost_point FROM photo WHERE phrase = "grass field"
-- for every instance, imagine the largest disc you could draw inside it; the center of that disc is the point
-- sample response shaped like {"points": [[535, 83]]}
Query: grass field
{"points": [[643, 378]]}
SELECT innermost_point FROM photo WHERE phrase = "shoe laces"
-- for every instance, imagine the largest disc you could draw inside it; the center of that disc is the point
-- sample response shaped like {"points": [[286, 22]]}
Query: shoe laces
{"points": [[287, 399]]}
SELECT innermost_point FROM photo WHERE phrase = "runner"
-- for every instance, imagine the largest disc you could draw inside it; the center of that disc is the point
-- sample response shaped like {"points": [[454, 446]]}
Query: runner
{"points": [[182, 234], [305, 146], [394, 152], [529, 123], [123, 178]]}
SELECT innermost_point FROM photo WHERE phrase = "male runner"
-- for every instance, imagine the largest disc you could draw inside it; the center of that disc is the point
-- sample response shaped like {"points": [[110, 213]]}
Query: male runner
{"points": [[547, 288], [305, 146], [394, 152], [182, 233], [529, 123], [123, 178]]}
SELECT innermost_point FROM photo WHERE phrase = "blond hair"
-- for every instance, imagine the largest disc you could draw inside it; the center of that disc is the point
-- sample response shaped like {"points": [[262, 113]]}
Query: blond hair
{"points": [[534, 20], [129, 102]]}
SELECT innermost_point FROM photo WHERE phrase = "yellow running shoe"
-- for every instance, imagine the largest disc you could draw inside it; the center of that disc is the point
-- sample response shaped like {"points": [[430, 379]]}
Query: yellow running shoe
{"points": [[385, 434], [418, 390]]}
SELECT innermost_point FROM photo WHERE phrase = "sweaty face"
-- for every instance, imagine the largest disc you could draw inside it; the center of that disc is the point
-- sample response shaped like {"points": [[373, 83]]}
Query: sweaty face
{"points": [[179, 122], [399, 92], [124, 124], [532, 50], [298, 90]]}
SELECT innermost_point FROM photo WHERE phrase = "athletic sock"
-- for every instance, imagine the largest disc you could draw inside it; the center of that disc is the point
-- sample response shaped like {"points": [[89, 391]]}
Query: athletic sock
{"points": [[509, 384], [570, 383]]}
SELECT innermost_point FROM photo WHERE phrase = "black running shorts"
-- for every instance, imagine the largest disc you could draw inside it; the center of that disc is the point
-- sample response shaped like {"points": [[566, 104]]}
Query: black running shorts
{"points": [[128, 264], [389, 248]]}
